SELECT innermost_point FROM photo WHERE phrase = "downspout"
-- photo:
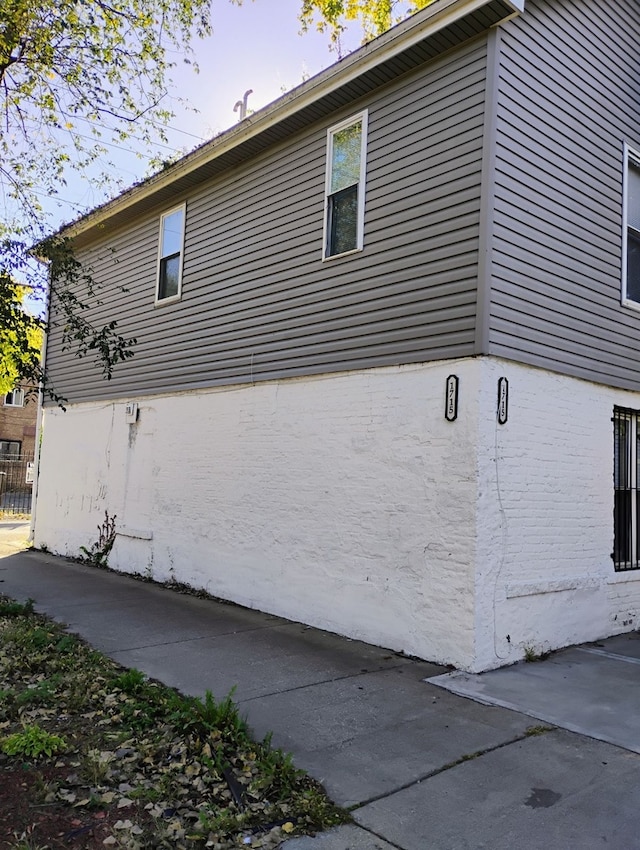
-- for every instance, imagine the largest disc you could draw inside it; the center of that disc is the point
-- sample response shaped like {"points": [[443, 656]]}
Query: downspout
{"points": [[36, 458]]}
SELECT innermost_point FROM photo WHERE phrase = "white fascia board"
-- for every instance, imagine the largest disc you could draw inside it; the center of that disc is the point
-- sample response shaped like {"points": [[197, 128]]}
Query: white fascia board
{"points": [[404, 35]]}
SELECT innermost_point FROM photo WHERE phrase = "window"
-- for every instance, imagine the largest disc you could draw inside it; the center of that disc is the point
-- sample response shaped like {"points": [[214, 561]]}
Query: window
{"points": [[626, 460], [344, 193], [631, 249], [170, 255], [15, 398], [10, 449]]}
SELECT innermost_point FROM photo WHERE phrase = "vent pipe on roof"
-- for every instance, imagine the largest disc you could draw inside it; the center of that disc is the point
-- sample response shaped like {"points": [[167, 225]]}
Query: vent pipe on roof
{"points": [[242, 105]]}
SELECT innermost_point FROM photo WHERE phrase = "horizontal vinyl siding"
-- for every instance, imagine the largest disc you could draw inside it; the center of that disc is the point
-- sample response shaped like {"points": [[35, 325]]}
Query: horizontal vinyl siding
{"points": [[258, 301], [569, 96]]}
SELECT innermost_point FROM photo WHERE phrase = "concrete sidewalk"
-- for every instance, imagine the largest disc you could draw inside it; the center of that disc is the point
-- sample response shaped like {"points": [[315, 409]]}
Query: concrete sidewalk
{"points": [[422, 767]]}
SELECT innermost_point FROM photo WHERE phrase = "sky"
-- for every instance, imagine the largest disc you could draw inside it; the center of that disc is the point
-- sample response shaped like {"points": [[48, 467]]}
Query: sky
{"points": [[255, 46]]}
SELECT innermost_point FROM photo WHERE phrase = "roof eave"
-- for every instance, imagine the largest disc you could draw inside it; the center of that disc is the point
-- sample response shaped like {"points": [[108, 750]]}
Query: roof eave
{"points": [[396, 40]]}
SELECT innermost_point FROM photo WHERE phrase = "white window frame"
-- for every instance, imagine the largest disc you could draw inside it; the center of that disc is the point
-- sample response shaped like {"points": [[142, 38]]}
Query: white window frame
{"points": [[633, 157], [331, 132], [160, 302], [16, 393]]}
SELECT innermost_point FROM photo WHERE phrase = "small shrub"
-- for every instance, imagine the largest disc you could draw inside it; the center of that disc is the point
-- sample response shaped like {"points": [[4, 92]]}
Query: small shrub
{"points": [[33, 741]]}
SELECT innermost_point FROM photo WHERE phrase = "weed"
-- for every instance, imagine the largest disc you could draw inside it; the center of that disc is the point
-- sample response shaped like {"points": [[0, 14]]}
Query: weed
{"points": [[531, 654], [38, 639], [532, 731], [197, 716], [26, 841], [66, 644], [9, 608], [276, 769], [33, 741], [43, 788], [41, 693], [96, 766], [221, 822], [98, 554], [131, 682]]}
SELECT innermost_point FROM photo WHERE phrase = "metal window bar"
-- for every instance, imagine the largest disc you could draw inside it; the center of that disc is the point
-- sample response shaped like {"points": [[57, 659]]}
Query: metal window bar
{"points": [[16, 483], [626, 478]]}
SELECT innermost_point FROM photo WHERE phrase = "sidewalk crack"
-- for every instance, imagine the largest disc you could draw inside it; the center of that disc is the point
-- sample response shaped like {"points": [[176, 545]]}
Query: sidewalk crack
{"points": [[531, 732], [321, 682]]}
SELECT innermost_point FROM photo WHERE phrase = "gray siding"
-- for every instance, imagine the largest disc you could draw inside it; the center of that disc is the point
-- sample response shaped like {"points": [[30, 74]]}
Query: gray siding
{"points": [[569, 96], [258, 302]]}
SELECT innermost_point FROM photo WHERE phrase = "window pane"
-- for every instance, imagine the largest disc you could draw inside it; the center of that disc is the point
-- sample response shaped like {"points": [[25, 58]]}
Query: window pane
{"points": [[9, 450], [621, 453], [15, 398], [633, 266], [343, 221], [633, 205], [345, 162], [172, 234], [169, 277]]}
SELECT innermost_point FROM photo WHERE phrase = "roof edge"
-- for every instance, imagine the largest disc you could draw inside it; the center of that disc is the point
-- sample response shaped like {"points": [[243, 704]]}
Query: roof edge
{"points": [[404, 35]]}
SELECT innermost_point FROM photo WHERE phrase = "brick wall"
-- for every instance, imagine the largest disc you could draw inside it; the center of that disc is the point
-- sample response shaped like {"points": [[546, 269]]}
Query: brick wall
{"points": [[19, 424]]}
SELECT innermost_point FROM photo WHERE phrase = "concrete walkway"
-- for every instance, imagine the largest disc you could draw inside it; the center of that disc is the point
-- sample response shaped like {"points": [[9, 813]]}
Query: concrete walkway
{"points": [[421, 767]]}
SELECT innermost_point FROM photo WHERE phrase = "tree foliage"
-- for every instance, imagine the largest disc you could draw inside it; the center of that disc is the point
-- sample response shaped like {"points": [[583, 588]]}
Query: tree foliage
{"points": [[73, 70], [20, 339], [375, 16]]}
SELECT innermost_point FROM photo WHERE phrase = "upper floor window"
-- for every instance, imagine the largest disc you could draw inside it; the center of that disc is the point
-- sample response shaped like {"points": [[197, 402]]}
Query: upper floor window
{"points": [[631, 249], [345, 181], [170, 255], [15, 398]]}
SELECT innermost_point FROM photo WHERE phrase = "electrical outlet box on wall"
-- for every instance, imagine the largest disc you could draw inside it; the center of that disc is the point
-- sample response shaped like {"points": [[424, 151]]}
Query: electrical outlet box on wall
{"points": [[131, 412]]}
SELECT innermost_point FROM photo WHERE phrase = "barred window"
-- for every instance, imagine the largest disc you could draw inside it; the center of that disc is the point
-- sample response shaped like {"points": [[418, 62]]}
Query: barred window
{"points": [[626, 458]]}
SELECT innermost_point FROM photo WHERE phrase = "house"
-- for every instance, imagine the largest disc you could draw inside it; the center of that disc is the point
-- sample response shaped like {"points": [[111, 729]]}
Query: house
{"points": [[387, 378], [17, 425]]}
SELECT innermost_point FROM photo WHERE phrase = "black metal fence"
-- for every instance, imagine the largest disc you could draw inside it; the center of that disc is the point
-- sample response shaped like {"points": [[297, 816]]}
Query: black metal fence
{"points": [[16, 484]]}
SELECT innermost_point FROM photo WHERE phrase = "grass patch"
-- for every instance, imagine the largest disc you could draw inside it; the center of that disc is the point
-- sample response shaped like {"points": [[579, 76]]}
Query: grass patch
{"points": [[105, 756]]}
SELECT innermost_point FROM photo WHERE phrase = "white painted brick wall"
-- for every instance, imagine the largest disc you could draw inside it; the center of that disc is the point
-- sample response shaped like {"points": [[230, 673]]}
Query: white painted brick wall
{"points": [[349, 503], [346, 502], [545, 524]]}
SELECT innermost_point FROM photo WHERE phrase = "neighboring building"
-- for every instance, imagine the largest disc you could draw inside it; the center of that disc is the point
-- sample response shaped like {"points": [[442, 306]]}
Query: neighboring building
{"points": [[18, 416], [388, 345]]}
